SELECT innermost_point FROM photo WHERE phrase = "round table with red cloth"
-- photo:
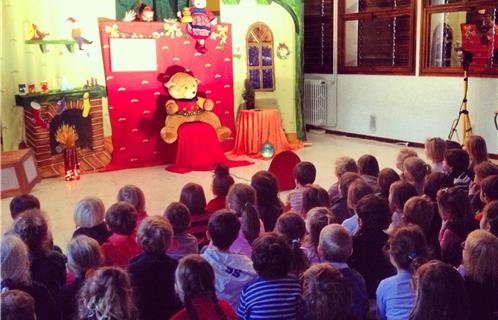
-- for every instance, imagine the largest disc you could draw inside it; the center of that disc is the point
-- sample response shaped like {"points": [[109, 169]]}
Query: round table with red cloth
{"points": [[256, 127], [200, 150]]}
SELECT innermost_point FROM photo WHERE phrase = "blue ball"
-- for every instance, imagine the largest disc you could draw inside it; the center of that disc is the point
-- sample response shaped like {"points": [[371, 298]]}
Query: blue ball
{"points": [[267, 150]]}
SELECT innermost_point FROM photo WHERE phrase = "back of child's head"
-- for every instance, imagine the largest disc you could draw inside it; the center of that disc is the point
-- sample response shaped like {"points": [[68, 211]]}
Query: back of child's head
{"points": [[292, 226], [326, 293], [317, 219], [108, 294], [314, 196], [450, 144], [239, 195], [194, 277], [387, 176], [121, 218], [367, 164], [266, 187], [222, 180], [154, 234], [17, 305], [250, 222], [415, 169], [457, 161], [345, 181], [83, 254], [407, 247], [476, 147], [305, 173], [179, 216], [403, 154], [453, 204], [343, 165], [21, 203], [480, 257], [356, 191], [489, 219], [484, 170], [271, 256], [14, 268], [223, 228], [373, 212], [399, 193], [434, 182], [134, 195], [336, 243], [192, 195], [31, 226], [440, 293], [89, 212], [420, 211], [435, 149], [489, 188]]}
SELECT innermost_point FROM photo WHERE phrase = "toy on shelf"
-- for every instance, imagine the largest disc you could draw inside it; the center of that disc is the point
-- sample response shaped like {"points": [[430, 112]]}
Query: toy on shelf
{"points": [[35, 36], [76, 33], [200, 26], [186, 107], [185, 16], [34, 33]]}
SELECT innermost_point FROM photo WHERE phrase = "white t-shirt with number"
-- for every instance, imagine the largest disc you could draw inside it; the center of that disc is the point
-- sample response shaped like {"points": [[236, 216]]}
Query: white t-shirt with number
{"points": [[232, 273]]}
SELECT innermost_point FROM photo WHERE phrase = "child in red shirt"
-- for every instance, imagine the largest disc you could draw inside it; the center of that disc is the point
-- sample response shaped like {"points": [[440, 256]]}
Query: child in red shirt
{"points": [[222, 181]]}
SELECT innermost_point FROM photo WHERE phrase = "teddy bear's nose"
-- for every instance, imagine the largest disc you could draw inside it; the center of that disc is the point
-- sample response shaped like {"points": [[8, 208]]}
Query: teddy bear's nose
{"points": [[193, 92]]}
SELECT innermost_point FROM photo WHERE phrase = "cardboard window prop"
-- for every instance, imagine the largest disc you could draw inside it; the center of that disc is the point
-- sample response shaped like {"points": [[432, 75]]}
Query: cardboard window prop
{"points": [[129, 55]]}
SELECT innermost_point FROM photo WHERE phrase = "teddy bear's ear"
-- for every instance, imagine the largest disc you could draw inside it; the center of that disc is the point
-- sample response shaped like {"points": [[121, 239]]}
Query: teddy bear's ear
{"points": [[170, 84]]}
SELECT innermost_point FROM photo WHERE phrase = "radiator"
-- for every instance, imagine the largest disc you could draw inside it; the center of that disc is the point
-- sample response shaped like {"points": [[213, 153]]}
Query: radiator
{"points": [[315, 102]]}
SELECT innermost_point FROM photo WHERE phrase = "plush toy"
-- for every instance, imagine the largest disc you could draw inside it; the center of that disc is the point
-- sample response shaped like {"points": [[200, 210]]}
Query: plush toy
{"points": [[185, 16], [200, 27], [186, 106]]}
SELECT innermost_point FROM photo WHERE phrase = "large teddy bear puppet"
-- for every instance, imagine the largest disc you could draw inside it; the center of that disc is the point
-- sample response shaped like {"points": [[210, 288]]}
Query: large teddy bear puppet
{"points": [[186, 106]]}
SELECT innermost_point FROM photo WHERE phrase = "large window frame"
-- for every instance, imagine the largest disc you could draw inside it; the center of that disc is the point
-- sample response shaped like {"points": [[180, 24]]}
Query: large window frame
{"points": [[427, 10], [260, 43], [322, 52], [409, 11]]}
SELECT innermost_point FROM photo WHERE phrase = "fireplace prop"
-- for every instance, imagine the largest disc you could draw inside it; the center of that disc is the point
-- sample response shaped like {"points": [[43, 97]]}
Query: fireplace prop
{"points": [[79, 110]]}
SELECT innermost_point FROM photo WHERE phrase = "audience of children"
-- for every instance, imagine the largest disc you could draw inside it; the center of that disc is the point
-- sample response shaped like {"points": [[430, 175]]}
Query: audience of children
{"points": [[268, 203], [121, 246], [258, 273], [222, 181], [152, 272], [89, 219], [192, 195], [183, 243], [195, 285], [233, 271], [304, 174], [326, 294]]}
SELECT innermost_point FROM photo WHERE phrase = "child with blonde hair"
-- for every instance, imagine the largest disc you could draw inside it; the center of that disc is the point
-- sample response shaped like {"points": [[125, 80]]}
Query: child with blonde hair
{"points": [[435, 148], [135, 196], [403, 154], [89, 219], [476, 148]]}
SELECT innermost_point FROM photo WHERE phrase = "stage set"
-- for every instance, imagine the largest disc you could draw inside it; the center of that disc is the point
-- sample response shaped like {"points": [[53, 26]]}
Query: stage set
{"points": [[178, 93]]}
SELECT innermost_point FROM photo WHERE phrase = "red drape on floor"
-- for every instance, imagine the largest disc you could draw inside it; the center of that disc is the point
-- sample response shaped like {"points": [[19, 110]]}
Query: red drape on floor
{"points": [[199, 150]]}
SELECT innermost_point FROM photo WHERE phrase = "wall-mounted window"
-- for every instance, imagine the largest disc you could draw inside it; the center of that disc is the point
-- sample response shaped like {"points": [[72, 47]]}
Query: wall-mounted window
{"points": [[451, 26], [376, 36], [260, 62], [318, 33]]}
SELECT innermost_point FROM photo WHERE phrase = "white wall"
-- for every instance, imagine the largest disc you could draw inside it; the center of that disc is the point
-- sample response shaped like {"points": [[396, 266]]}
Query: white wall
{"points": [[243, 15], [411, 108]]}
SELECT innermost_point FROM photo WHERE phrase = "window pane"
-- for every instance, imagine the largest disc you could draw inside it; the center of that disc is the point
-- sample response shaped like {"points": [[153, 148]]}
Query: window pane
{"points": [[254, 78], [267, 79], [317, 46], [436, 2], [377, 42], [450, 31], [355, 6], [266, 56], [253, 56], [317, 8]]}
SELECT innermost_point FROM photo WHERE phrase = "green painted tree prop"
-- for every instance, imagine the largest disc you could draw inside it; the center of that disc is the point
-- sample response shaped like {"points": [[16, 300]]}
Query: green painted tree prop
{"points": [[248, 95], [295, 9]]}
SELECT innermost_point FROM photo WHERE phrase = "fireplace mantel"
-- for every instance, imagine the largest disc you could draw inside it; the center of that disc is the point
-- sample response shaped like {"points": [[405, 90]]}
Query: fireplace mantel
{"points": [[49, 163]]}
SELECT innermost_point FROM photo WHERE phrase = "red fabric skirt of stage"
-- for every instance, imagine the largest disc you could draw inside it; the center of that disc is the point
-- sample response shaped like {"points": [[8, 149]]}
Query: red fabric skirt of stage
{"points": [[199, 150]]}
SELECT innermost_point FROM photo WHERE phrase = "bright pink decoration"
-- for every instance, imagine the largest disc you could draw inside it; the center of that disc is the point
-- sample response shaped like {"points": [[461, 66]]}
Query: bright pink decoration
{"points": [[136, 99]]}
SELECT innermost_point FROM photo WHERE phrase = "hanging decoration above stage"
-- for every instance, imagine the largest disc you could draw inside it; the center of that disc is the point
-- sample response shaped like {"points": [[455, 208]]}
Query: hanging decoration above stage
{"points": [[139, 58]]}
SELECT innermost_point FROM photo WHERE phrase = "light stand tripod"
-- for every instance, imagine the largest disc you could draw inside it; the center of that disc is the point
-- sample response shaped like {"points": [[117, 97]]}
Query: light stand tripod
{"points": [[463, 113]]}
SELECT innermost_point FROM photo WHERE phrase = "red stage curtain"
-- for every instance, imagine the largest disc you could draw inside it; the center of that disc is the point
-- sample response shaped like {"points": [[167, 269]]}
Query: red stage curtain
{"points": [[199, 150]]}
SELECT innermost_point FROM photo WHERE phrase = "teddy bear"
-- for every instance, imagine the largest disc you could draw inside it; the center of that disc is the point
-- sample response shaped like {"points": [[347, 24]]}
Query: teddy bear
{"points": [[186, 106]]}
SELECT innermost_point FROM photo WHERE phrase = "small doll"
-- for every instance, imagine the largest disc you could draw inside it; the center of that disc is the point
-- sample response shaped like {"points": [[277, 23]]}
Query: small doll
{"points": [[200, 27]]}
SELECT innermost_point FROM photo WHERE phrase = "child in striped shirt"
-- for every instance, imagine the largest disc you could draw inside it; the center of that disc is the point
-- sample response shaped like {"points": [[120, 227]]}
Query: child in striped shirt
{"points": [[304, 173], [275, 294]]}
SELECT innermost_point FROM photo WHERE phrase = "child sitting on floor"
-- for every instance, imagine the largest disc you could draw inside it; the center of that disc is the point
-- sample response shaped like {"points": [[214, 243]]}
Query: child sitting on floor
{"points": [[192, 195], [304, 173], [135, 196], [233, 271], [399, 193], [121, 218], [456, 164], [342, 165], [340, 207], [387, 177], [89, 219], [368, 167], [357, 190], [435, 148], [292, 226], [21, 203], [415, 170], [222, 181], [183, 243], [318, 218]]}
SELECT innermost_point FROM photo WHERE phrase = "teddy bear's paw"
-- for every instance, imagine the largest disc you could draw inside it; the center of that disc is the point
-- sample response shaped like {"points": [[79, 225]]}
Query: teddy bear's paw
{"points": [[223, 133], [168, 136]]}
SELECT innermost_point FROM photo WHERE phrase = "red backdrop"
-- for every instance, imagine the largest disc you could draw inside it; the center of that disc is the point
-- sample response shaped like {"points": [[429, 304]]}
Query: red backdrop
{"points": [[136, 99]]}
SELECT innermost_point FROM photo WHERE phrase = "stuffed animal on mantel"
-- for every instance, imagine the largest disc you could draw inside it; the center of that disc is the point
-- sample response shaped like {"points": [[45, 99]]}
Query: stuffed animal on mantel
{"points": [[186, 106]]}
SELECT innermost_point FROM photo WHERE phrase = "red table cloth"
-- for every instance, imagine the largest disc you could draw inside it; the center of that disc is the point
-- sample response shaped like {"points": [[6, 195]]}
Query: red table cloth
{"points": [[200, 150]]}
